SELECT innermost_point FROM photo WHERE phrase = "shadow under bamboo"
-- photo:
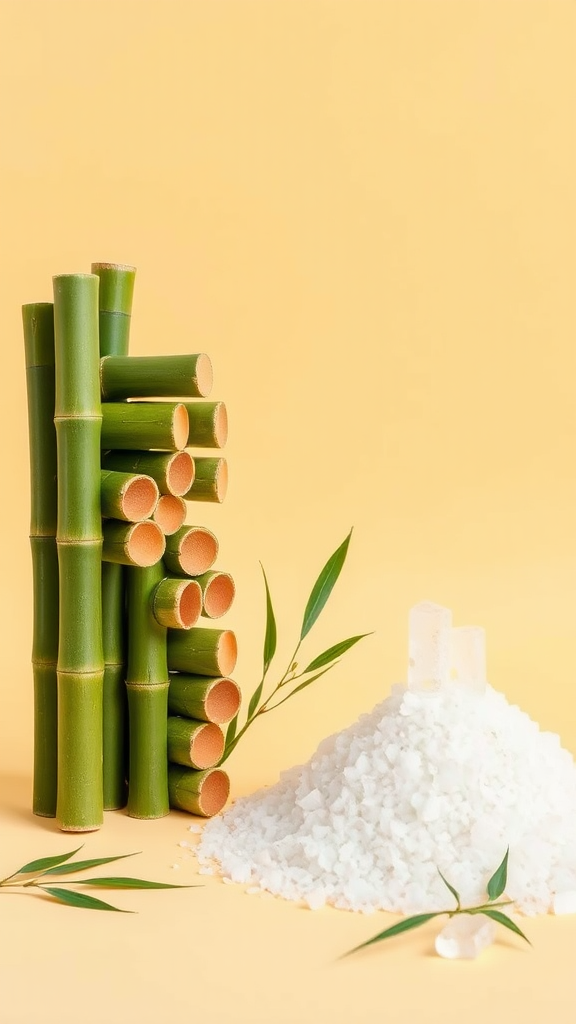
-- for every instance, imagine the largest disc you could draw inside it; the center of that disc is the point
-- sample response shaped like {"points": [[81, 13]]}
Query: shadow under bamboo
{"points": [[195, 744], [137, 425], [201, 697], [172, 471], [198, 792]]}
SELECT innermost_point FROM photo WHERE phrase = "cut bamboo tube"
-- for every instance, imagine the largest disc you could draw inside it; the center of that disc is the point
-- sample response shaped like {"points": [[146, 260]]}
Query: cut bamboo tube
{"points": [[129, 496], [202, 652], [79, 539], [170, 513], [139, 544], [155, 376], [204, 793], [192, 550], [210, 700], [218, 592], [172, 471], [38, 322], [194, 744], [210, 480], [115, 307], [208, 424], [137, 425], [177, 603], [147, 685]]}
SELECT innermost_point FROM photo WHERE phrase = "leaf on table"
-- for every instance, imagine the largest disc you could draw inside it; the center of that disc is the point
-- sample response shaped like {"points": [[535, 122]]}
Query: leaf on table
{"points": [[45, 862], [83, 865], [507, 922], [397, 929], [270, 635], [334, 652], [80, 899], [131, 883], [497, 883], [323, 587]]}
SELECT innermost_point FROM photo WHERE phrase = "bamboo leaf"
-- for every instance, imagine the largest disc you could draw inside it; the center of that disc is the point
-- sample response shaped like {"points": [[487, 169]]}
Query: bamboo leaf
{"points": [[270, 635], [507, 922], [497, 883], [323, 587], [255, 699], [454, 891], [83, 865], [44, 862], [396, 929], [231, 731], [80, 899], [334, 652], [303, 686], [130, 883]]}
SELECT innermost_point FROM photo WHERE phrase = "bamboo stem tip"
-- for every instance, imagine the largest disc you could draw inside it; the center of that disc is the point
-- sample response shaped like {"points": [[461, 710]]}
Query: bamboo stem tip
{"points": [[221, 425], [198, 550], [223, 701], [170, 513], [140, 498], [204, 374], [180, 426], [214, 792], [219, 595], [146, 544], [227, 652], [189, 604], [180, 473], [207, 746]]}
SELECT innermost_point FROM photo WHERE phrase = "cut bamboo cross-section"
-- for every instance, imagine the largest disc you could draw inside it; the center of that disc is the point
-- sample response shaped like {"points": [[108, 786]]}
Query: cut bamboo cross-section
{"points": [[170, 513], [202, 652], [218, 592], [129, 496], [177, 603], [210, 480], [208, 424], [192, 550], [137, 425], [210, 700], [172, 471], [140, 544], [198, 792], [38, 320], [193, 743], [156, 376]]}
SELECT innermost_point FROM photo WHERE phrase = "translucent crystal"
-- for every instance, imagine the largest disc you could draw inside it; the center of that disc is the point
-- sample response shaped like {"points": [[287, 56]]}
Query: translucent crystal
{"points": [[429, 647], [469, 656], [465, 936], [565, 902]]}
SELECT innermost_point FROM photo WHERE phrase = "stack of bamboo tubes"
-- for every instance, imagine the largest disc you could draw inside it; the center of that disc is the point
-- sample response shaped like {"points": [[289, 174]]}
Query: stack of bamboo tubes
{"points": [[123, 677]]}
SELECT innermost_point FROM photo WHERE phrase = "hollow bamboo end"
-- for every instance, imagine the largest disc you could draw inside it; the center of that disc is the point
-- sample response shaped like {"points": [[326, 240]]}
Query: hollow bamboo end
{"points": [[139, 498], [207, 746], [221, 425], [222, 480], [219, 595], [145, 544], [214, 792], [223, 701], [197, 551], [227, 652], [170, 513], [189, 604], [180, 426], [180, 474], [204, 375]]}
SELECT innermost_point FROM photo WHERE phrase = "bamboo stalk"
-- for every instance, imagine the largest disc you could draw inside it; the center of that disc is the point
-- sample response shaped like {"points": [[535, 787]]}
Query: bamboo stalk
{"points": [[137, 544], [172, 471], [208, 424], [177, 603], [198, 792], [210, 700], [38, 323], [218, 592], [210, 480], [147, 687], [155, 376], [202, 652], [115, 308], [192, 550], [170, 513], [195, 744], [129, 496], [137, 425], [79, 540]]}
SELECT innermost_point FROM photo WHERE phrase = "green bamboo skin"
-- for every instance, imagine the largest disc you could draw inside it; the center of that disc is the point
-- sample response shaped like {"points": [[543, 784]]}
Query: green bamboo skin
{"points": [[79, 541], [208, 700], [38, 324], [198, 792], [177, 603], [155, 376], [218, 592], [115, 501], [210, 480], [208, 424], [194, 744], [116, 293], [122, 543], [172, 471], [192, 550], [147, 685], [137, 425], [202, 652]]}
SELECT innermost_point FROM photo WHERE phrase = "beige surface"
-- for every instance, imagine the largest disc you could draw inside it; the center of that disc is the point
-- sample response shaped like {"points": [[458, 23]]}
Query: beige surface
{"points": [[365, 213]]}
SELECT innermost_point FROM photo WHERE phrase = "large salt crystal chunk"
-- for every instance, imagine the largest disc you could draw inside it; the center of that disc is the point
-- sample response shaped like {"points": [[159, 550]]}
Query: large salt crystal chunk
{"points": [[468, 647], [429, 647], [465, 936], [565, 902]]}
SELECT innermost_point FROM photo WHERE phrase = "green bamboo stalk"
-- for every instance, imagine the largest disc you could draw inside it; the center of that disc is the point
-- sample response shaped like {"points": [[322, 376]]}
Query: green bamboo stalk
{"points": [[177, 603], [137, 544], [210, 480], [79, 540], [208, 424], [137, 425], [170, 513], [210, 700], [218, 592], [194, 744], [202, 652], [147, 685], [115, 308], [38, 322], [172, 471], [129, 496], [192, 550], [198, 792], [155, 376]]}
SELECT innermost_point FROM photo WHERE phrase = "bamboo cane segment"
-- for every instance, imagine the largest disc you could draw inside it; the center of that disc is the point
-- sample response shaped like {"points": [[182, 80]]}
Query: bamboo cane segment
{"points": [[210, 700], [199, 792]]}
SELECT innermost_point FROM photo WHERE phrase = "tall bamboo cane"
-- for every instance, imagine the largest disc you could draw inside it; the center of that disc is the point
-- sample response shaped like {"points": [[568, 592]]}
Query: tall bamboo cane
{"points": [[79, 538], [38, 320]]}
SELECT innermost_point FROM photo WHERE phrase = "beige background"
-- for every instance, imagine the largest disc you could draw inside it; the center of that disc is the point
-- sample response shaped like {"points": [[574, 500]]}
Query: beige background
{"points": [[365, 213]]}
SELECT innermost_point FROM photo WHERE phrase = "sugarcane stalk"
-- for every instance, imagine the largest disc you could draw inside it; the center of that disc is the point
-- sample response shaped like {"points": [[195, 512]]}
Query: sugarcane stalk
{"points": [[79, 541], [177, 603], [155, 376], [198, 792], [204, 698], [210, 480], [147, 685], [193, 743], [192, 550], [218, 592], [172, 471], [138, 544], [202, 652], [208, 424], [129, 496], [38, 323], [137, 425], [170, 513]]}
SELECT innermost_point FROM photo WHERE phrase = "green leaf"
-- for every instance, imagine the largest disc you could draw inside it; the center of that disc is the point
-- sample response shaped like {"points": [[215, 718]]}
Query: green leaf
{"points": [[80, 899], [507, 922], [130, 883], [83, 865], [303, 686], [35, 866], [255, 699], [323, 587], [397, 929], [334, 652], [270, 636], [454, 892], [497, 883], [231, 731]]}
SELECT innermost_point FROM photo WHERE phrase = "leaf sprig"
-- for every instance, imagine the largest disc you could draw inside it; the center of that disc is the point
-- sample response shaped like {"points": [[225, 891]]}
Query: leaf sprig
{"points": [[495, 888], [47, 868], [324, 662]]}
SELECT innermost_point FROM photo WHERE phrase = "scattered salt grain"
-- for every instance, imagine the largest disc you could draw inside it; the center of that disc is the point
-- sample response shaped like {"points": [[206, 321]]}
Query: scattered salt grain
{"points": [[565, 902], [463, 938], [195, 828], [183, 843]]}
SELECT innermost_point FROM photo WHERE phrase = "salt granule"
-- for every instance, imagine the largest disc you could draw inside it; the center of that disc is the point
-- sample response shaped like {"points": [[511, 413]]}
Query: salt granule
{"points": [[463, 938], [420, 783]]}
